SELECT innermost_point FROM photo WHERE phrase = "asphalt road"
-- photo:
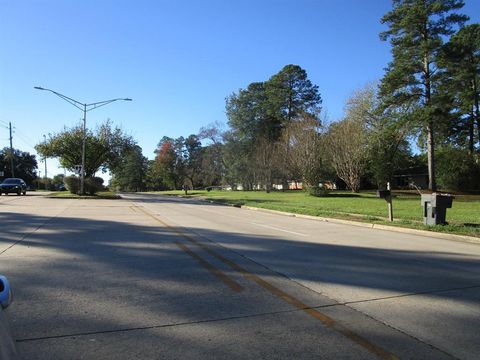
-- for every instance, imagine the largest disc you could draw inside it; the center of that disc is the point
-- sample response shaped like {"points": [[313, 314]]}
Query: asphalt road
{"points": [[152, 277]]}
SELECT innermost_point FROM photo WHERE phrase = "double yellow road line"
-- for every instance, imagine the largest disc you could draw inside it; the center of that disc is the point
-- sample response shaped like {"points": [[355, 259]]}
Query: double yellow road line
{"points": [[235, 286]]}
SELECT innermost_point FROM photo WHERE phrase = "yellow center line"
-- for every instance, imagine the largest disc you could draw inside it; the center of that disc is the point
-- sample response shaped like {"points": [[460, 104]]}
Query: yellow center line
{"points": [[232, 284], [133, 208], [325, 319]]}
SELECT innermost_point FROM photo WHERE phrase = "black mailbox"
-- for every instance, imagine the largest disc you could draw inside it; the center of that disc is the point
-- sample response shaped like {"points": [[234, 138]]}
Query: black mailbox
{"points": [[442, 200], [383, 194]]}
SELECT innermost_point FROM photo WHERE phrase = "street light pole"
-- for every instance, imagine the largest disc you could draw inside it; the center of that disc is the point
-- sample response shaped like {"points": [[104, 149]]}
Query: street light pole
{"points": [[84, 143], [12, 171], [45, 160], [85, 108]]}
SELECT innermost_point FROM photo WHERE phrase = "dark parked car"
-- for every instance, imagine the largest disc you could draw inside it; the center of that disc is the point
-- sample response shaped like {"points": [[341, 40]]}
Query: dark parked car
{"points": [[13, 185], [7, 344]]}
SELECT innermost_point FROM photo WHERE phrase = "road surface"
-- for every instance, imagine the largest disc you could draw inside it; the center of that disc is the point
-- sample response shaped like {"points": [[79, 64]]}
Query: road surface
{"points": [[154, 277]]}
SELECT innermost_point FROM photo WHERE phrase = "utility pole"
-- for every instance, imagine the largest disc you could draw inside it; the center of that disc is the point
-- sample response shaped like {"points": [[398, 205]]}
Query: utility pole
{"points": [[11, 150]]}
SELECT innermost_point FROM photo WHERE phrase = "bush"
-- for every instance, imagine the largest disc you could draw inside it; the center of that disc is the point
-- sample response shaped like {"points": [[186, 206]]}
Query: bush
{"points": [[93, 185], [318, 191], [72, 183]]}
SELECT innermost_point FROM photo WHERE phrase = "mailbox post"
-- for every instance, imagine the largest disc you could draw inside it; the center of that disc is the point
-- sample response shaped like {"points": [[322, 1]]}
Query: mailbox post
{"points": [[387, 195]]}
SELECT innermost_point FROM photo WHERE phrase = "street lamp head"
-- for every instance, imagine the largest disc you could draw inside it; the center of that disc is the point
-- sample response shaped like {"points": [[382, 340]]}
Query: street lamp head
{"points": [[127, 99], [38, 88]]}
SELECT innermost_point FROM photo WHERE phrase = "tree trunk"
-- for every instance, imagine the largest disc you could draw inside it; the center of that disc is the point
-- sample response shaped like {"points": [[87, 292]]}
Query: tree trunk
{"points": [[471, 133], [432, 185]]}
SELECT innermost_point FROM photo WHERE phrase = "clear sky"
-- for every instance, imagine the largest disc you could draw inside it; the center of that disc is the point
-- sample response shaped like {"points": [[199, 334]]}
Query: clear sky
{"points": [[177, 59]]}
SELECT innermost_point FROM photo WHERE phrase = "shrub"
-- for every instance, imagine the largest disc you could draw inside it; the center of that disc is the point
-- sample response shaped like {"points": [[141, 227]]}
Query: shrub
{"points": [[317, 191], [93, 185], [72, 183]]}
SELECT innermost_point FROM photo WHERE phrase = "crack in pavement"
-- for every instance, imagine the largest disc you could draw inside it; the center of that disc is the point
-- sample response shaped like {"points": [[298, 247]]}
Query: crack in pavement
{"points": [[34, 230], [138, 328], [427, 292]]}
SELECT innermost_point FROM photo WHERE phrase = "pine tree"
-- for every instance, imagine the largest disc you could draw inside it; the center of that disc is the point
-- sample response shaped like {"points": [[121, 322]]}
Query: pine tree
{"points": [[416, 29], [461, 61]]}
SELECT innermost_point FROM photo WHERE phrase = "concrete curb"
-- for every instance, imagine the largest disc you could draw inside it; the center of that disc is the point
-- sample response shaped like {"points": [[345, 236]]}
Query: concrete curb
{"points": [[443, 236], [433, 234]]}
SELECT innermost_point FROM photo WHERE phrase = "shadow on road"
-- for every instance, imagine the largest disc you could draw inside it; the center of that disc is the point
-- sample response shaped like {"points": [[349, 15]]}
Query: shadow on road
{"points": [[94, 276]]}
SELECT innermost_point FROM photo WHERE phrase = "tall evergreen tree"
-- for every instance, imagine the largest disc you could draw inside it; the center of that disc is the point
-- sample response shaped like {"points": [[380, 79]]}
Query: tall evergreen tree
{"points": [[166, 163], [192, 160], [416, 28], [246, 112], [130, 174], [263, 109], [291, 94], [461, 60]]}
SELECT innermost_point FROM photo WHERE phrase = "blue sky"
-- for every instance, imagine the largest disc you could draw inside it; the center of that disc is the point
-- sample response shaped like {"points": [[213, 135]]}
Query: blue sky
{"points": [[178, 60]]}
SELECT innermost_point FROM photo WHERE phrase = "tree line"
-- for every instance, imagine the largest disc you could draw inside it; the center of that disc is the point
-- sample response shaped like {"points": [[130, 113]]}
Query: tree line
{"points": [[424, 112], [428, 99]]}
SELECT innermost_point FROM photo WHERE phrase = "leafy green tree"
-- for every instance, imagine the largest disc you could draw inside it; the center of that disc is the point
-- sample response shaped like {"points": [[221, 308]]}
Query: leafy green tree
{"points": [[247, 113], [130, 173], [238, 158], [25, 164], [458, 170], [211, 168], [168, 164], [263, 109], [257, 116], [416, 29], [192, 160], [104, 147], [154, 180]]}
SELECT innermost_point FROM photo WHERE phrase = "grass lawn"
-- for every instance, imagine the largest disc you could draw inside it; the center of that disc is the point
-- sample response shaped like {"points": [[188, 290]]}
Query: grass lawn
{"points": [[463, 217]]}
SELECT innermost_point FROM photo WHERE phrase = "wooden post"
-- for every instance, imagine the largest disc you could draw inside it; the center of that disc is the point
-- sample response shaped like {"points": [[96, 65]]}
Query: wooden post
{"points": [[389, 202]]}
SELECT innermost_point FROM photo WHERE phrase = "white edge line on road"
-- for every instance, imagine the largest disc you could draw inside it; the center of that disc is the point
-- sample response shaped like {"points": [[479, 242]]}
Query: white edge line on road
{"points": [[279, 229]]}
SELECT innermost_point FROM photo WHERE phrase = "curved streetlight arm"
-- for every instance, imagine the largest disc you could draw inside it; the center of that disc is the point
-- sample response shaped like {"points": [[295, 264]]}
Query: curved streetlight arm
{"points": [[103, 103], [85, 108], [74, 102]]}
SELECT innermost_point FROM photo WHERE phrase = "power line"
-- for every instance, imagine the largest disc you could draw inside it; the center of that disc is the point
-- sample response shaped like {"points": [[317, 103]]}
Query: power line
{"points": [[25, 136], [25, 142]]}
